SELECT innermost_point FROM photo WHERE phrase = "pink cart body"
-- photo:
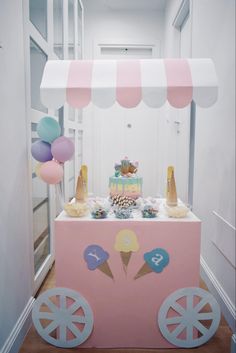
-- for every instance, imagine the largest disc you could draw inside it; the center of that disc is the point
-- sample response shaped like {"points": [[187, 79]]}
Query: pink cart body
{"points": [[125, 310]]}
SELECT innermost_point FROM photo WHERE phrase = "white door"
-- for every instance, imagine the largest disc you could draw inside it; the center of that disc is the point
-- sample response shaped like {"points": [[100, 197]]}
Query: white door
{"points": [[120, 132], [52, 30]]}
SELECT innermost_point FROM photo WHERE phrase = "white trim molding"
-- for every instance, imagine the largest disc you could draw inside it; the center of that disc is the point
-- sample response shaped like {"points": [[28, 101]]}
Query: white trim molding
{"points": [[127, 43], [19, 331], [182, 14], [227, 307], [233, 343]]}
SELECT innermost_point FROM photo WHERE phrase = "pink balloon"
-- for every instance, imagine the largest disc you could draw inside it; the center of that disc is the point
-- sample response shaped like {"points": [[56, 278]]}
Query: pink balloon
{"points": [[62, 149], [51, 172]]}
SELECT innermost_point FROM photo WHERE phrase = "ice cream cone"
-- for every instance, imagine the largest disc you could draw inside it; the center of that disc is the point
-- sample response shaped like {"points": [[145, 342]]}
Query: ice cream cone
{"points": [[125, 257], [144, 270], [105, 268], [80, 194], [171, 198], [126, 243], [84, 172]]}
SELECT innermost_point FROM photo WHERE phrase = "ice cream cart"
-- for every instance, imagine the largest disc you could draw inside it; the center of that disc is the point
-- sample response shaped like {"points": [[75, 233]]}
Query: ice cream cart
{"points": [[132, 282]]}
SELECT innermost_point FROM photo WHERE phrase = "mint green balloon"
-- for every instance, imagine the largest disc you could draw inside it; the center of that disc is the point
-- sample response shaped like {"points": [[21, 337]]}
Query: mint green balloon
{"points": [[48, 129]]}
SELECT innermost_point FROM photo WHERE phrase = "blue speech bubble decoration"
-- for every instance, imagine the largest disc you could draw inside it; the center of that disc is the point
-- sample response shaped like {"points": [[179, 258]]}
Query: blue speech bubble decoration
{"points": [[96, 258], [157, 259]]}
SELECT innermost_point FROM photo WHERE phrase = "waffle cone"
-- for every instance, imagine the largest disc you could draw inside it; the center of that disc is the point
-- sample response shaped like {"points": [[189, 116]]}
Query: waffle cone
{"points": [[125, 257], [80, 195], [105, 268], [144, 270]]}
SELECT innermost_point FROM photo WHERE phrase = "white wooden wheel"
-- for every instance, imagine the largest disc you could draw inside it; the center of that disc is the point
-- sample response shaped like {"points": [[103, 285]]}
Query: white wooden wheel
{"points": [[189, 321], [67, 311]]}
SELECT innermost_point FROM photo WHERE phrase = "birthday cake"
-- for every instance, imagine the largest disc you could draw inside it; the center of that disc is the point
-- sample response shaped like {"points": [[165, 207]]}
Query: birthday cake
{"points": [[125, 181]]}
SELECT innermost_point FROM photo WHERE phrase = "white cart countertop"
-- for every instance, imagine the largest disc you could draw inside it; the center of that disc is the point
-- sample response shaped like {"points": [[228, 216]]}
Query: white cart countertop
{"points": [[136, 216]]}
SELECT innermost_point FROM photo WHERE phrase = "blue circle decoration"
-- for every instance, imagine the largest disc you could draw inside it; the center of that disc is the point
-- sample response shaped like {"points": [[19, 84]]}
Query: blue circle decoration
{"points": [[157, 259], [48, 129], [189, 318], [63, 317]]}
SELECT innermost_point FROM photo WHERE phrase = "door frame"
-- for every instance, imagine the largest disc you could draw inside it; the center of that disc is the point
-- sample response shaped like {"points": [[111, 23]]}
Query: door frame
{"points": [[126, 43], [33, 116]]}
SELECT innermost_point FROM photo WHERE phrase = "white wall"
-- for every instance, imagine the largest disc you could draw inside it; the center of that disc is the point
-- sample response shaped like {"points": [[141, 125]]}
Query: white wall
{"points": [[173, 138], [120, 24], [133, 25], [214, 185], [15, 238], [213, 36]]}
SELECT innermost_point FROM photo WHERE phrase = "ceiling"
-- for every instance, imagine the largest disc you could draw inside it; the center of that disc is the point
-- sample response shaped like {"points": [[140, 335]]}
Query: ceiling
{"points": [[125, 4]]}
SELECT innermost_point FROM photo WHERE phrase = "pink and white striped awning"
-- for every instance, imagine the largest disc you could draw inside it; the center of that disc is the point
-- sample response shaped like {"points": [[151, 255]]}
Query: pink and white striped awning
{"points": [[179, 81]]}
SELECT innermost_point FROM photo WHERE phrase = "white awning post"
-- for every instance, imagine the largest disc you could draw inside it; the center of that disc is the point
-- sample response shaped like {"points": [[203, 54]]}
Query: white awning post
{"points": [[191, 153]]}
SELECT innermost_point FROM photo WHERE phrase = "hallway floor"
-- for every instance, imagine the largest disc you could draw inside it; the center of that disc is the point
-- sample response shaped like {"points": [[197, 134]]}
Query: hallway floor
{"points": [[33, 343]]}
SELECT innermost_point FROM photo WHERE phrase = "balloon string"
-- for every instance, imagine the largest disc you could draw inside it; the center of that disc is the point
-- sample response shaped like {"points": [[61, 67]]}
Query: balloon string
{"points": [[60, 193]]}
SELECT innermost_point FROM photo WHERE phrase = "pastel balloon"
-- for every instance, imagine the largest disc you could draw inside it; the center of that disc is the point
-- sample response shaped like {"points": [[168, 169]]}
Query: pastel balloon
{"points": [[37, 169], [62, 149], [48, 129], [41, 151], [51, 172]]}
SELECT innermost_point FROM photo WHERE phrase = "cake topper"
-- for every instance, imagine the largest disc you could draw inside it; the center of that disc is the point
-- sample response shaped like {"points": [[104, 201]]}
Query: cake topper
{"points": [[126, 167]]}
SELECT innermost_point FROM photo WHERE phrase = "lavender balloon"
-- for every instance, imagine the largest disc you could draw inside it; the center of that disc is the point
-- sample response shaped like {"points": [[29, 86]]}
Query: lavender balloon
{"points": [[62, 149], [41, 151]]}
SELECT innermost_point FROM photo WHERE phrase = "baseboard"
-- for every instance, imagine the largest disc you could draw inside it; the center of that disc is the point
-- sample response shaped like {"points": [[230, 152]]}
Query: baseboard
{"points": [[19, 331], [226, 305]]}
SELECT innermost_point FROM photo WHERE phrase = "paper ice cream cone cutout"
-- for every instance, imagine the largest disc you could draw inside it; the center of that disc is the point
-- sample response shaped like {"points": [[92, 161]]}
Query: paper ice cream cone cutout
{"points": [[125, 257], [155, 261], [105, 268], [126, 243], [144, 270], [96, 258]]}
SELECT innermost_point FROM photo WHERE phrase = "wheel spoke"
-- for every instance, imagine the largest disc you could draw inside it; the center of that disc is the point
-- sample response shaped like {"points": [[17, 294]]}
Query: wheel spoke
{"points": [[74, 330], [62, 331], [201, 304], [205, 316], [79, 318], [189, 302], [74, 307], [200, 327], [178, 308], [62, 302], [51, 305], [178, 330], [189, 329], [174, 320], [52, 326]]}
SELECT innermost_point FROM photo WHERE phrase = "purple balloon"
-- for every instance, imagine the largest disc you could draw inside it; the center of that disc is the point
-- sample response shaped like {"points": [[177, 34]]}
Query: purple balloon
{"points": [[62, 149], [41, 151]]}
